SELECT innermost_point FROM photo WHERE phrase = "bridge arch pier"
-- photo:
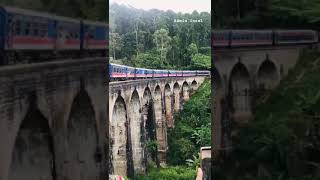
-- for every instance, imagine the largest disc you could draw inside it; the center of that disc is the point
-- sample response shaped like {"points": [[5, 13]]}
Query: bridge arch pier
{"points": [[159, 98]]}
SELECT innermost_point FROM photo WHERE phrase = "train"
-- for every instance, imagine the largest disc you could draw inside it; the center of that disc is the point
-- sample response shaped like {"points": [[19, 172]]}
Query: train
{"points": [[239, 38], [30, 36], [123, 72]]}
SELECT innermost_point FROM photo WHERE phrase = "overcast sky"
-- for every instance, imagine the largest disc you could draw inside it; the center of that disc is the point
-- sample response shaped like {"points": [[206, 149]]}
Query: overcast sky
{"points": [[185, 6]]}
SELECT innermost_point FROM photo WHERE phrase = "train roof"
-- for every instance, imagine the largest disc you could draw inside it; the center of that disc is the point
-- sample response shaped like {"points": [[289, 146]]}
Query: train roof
{"points": [[21, 11], [97, 23], [118, 65]]}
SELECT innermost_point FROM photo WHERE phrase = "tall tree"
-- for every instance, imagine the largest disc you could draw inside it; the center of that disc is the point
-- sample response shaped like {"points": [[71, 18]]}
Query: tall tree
{"points": [[162, 41]]}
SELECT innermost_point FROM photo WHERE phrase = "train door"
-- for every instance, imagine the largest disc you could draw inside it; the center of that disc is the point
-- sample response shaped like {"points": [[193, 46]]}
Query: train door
{"points": [[52, 31], [2, 29]]}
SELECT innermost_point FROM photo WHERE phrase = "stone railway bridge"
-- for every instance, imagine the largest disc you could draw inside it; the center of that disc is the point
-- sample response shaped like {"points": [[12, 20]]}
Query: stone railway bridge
{"points": [[240, 75], [140, 111], [53, 121]]}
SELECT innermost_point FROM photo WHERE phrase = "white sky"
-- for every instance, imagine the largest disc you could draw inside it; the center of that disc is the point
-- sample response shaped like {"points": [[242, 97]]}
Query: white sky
{"points": [[185, 6]]}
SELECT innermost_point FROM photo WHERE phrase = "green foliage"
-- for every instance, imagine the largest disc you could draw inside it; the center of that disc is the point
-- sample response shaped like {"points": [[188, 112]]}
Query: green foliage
{"points": [[143, 32], [201, 61], [194, 162], [192, 127], [267, 14], [283, 141], [152, 146], [170, 173], [150, 60]]}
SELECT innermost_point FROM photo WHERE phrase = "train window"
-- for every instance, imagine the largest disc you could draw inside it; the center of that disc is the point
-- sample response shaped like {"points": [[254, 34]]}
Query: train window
{"points": [[17, 27]]}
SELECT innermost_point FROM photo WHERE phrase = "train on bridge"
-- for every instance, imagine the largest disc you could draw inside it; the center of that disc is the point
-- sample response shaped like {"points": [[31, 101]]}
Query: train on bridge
{"points": [[240, 38], [122, 72], [30, 36]]}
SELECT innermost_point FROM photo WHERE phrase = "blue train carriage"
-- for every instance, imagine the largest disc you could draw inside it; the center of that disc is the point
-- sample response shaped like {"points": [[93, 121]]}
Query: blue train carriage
{"points": [[251, 37], [203, 73], [25, 35], [68, 39], [141, 73], [172, 73], [95, 38], [283, 37], [157, 73], [117, 71], [179, 73], [149, 73], [131, 72], [221, 38]]}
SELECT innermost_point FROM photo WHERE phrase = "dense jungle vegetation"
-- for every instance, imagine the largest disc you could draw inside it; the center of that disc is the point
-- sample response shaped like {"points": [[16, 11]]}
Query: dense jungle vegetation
{"points": [[192, 131], [282, 142], [86, 9], [152, 39], [251, 14]]}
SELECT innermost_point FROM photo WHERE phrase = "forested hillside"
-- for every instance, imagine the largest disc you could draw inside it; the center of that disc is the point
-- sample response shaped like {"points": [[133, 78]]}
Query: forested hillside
{"points": [[283, 141], [267, 14], [87, 9], [153, 39]]}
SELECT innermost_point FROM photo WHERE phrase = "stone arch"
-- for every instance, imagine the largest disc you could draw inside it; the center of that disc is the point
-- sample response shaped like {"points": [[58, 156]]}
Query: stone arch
{"points": [[267, 76], [168, 105], [239, 91], [119, 142], [136, 126], [160, 124], [194, 85], [176, 95], [150, 133], [33, 155], [83, 139], [185, 91]]}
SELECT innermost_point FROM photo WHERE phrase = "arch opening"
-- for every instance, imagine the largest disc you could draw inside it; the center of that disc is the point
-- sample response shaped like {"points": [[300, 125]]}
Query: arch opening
{"points": [[267, 75], [136, 126], [119, 139], [150, 134], [33, 153], [239, 91], [185, 91], [194, 85], [82, 137]]}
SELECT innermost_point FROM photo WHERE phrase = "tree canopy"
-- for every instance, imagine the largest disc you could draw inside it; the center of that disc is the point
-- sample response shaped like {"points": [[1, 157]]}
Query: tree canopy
{"points": [[267, 14], [154, 34]]}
